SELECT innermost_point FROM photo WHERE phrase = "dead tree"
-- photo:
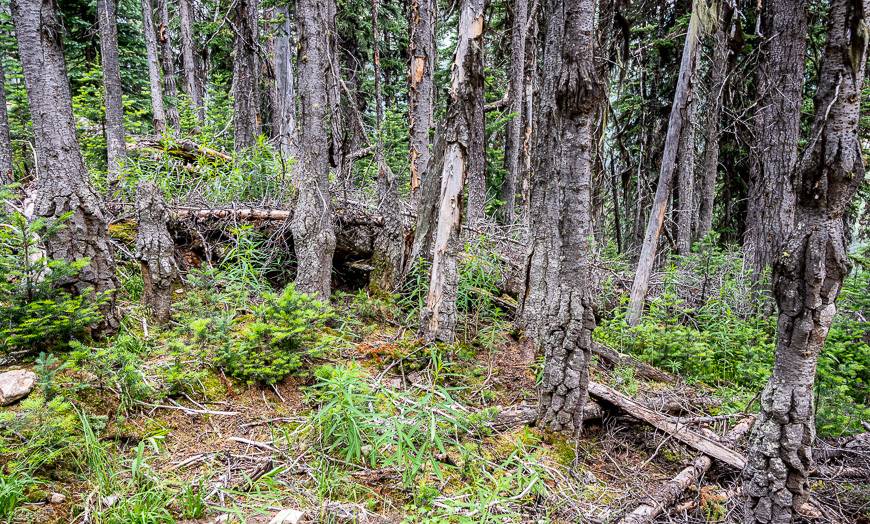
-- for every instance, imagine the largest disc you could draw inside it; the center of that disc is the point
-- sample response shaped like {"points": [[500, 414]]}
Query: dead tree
{"points": [[676, 123], [570, 99], [517, 93], [476, 176], [5, 140], [167, 62], [809, 272], [776, 125], [685, 210], [155, 251], [246, 117], [438, 321], [158, 111], [284, 84], [189, 64], [62, 184], [421, 97], [312, 226], [115, 149]]}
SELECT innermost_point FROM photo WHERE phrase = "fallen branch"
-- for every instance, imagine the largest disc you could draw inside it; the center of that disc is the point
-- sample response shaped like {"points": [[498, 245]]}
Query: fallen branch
{"points": [[669, 425], [671, 491], [643, 370], [527, 414], [184, 149]]}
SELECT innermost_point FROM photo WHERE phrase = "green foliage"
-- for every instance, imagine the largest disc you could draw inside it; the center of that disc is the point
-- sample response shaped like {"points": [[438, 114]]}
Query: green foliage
{"points": [[12, 492], [37, 313], [285, 329], [41, 434]]}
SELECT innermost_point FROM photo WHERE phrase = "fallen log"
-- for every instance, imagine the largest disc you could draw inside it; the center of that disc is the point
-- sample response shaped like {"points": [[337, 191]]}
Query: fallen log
{"points": [[679, 430], [643, 370], [527, 414], [185, 149], [670, 492]]}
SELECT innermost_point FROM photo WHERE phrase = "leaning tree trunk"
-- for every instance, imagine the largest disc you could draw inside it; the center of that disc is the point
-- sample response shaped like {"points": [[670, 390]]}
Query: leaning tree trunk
{"points": [[718, 77], [155, 251], [246, 119], [284, 78], [188, 56], [115, 148], [62, 185], [421, 96], [158, 111], [167, 61], [438, 321], [5, 141], [476, 184], [570, 100], [517, 93], [676, 123], [780, 81], [312, 227], [809, 273]]}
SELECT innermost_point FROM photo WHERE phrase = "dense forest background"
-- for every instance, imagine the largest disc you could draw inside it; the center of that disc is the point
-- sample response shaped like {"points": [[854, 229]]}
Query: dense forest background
{"points": [[427, 261]]}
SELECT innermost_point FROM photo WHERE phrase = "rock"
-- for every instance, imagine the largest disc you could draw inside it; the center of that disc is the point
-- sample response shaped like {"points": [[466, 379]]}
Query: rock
{"points": [[15, 385], [56, 498], [287, 516]]}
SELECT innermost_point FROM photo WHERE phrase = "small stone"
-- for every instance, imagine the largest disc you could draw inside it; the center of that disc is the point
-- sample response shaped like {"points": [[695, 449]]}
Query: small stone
{"points": [[109, 500], [56, 498], [287, 516], [15, 385]]}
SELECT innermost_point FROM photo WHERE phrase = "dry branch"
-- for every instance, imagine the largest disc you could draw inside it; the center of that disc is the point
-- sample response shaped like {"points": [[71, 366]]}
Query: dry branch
{"points": [[184, 149], [645, 371]]}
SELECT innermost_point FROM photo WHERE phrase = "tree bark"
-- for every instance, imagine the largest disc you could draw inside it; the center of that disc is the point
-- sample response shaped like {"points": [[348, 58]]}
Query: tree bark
{"points": [[776, 124], [476, 178], [809, 272], [421, 97], [439, 318], [718, 77], [284, 80], [158, 111], [312, 227], [62, 183], [188, 55], [155, 251], [517, 92], [246, 98], [686, 211], [570, 100], [6, 176], [115, 147], [167, 61], [666, 173]]}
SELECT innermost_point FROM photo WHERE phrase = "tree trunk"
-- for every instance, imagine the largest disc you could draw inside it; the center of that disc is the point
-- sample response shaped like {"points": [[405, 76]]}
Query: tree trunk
{"points": [[155, 251], [188, 55], [115, 148], [686, 211], [5, 141], [62, 184], [666, 174], [167, 61], [570, 101], [718, 77], [517, 92], [284, 80], [476, 184], [780, 81], [313, 232], [158, 112], [421, 97], [809, 273], [246, 98], [438, 321]]}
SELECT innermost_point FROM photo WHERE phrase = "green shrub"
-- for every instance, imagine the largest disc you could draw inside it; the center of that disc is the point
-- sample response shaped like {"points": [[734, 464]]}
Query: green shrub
{"points": [[287, 327], [117, 367]]}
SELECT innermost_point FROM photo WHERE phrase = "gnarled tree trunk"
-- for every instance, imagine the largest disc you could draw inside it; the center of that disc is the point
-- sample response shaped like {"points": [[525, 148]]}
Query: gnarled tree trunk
{"points": [[780, 81], [155, 251], [421, 97], [63, 185], [438, 321], [167, 61], [5, 141], [158, 111], [115, 148], [312, 226], [246, 98], [570, 101], [809, 273]]}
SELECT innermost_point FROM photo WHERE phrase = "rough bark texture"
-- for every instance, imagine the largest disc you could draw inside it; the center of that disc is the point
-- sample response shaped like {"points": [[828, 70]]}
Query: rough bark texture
{"points": [[780, 80], [107, 12], [188, 56], [809, 273], [476, 178], [313, 232], [5, 141], [167, 62], [570, 99], [158, 111], [284, 82], [517, 93], [685, 209], [666, 174], [421, 98], [155, 251], [439, 317], [718, 77], [62, 183], [246, 117]]}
